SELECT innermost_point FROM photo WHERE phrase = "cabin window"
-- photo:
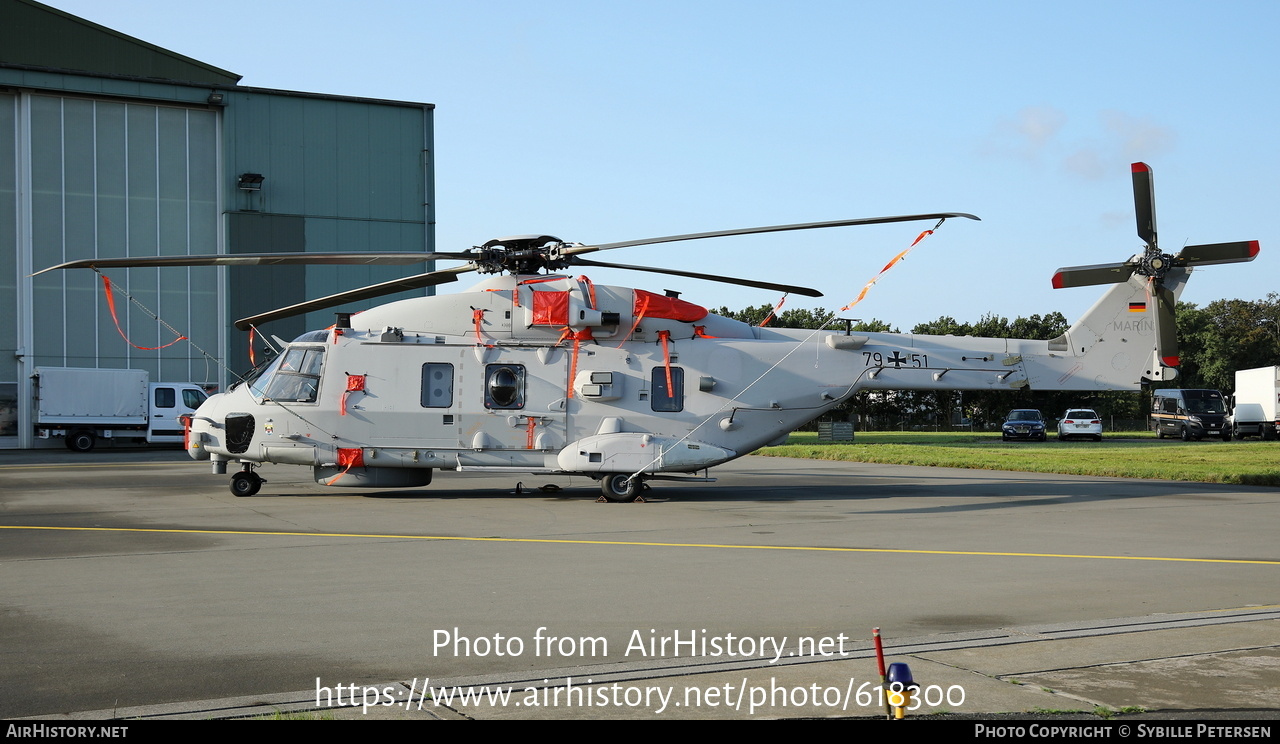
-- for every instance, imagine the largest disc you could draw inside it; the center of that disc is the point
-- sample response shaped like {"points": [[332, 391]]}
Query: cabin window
{"points": [[662, 399], [504, 386], [437, 385]]}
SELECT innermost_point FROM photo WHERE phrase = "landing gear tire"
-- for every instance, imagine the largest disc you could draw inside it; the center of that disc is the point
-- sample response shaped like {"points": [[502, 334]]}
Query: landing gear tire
{"points": [[245, 483], [81, 441], [620, 488]]}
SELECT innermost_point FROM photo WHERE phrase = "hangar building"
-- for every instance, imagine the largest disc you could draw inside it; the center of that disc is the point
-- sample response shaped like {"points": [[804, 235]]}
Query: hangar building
{"points": [[110, 146]]}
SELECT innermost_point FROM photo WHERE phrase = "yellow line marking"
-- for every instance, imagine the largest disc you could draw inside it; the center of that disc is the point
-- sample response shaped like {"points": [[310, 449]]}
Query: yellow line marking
{"points": [[66, 466], [651, 544]]}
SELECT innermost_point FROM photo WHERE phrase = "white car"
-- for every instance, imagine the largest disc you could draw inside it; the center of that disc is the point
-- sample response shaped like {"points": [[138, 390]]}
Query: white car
{"points": [[1080, 422]]}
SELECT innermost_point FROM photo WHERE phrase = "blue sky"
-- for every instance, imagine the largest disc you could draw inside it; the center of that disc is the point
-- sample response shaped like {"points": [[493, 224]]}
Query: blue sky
{"points": [[606, 121]]}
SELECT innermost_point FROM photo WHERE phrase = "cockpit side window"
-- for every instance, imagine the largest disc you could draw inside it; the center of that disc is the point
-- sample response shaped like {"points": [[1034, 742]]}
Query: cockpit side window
{"points": [[294, 377]]}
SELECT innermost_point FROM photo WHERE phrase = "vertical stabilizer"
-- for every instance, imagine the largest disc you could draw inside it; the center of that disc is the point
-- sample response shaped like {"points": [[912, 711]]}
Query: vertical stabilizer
{"points": [[1116, 339]]}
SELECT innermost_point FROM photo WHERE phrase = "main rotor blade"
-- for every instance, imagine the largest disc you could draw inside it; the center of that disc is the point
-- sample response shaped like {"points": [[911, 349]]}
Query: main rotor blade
{"points": [[260, 259], [709, 277], [363, 293], [577, 249], [1144, 203], [1218, 253], [1166, 325], [1084, 276]]}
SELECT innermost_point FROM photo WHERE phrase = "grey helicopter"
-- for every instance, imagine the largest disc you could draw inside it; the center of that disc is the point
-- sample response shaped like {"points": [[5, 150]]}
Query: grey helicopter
{"points": [[536, 370]]}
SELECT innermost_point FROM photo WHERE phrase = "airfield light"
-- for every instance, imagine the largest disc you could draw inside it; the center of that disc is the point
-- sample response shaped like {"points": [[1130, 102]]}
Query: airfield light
{"points": [[900, 684]]}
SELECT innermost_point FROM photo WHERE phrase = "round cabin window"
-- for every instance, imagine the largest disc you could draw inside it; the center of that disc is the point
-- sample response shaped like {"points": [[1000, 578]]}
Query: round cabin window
{"points": [[504, 388]]}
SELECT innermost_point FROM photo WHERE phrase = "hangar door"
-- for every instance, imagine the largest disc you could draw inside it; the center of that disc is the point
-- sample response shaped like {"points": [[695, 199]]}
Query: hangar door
{"points": [[98, 178]]}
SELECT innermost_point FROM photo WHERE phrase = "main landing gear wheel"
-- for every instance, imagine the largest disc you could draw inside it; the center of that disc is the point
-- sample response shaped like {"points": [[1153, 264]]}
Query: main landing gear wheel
{"points": [[619, 487], [245, 483]]}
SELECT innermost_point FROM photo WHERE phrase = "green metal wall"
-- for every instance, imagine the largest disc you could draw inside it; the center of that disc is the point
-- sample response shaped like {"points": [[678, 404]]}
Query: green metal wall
{"points": [[338, 175]]}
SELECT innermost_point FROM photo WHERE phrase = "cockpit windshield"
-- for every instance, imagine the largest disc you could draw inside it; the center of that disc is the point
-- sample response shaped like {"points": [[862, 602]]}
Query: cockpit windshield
{"points": [[294, 377]]}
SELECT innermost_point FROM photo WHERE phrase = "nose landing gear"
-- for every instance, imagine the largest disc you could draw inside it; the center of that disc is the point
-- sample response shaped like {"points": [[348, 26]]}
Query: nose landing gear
{"points": [[246, 482]]}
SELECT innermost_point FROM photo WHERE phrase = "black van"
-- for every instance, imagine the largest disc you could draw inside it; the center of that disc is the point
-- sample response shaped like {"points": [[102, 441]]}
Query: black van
{"points": [[1189, 414]]}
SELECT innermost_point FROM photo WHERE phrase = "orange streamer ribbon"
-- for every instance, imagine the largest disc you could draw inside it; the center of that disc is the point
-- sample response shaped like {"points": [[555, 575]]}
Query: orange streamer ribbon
{"points": [[111, 305], [867, 287]]}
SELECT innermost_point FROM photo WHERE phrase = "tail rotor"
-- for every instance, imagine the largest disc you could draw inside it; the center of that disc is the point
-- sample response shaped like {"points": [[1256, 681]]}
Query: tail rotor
{"points": [[1154, 266]]}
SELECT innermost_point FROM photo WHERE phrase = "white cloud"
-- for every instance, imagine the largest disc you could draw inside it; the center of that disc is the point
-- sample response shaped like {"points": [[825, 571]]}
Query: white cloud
{"points": [[1137, 139], [1038, 133], [1027, 135]]}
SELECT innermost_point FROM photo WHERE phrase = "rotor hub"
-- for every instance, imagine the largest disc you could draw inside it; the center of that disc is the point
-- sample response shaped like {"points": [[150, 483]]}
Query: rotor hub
{"points": [[1155, 264], [519, 254]]}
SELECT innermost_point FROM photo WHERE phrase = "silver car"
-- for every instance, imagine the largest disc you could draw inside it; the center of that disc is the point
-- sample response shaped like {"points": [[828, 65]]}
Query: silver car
{"points": [[1080, 422]]}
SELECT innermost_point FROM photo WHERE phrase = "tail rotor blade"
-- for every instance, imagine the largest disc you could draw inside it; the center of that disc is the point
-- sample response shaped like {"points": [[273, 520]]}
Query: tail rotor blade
{"points": [[1144, 203], [1084, 276], [1166, 325], [1218, 253]]}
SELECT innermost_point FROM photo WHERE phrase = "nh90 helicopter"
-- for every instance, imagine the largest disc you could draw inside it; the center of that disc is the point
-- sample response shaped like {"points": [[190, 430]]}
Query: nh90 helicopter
{"points": [[535, 370]]}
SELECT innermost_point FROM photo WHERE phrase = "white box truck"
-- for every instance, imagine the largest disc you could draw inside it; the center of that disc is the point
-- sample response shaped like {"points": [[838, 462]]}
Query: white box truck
{"points": [[85, 405], [1255, 407]]}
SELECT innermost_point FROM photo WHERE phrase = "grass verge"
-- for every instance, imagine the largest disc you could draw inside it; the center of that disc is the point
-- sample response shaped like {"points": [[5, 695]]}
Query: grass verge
{"points": [[1137, 455]]}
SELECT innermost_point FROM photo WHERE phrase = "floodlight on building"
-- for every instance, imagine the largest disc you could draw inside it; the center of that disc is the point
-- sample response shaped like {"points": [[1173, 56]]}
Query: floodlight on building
{"points": [[216, 98], [250, 182]]}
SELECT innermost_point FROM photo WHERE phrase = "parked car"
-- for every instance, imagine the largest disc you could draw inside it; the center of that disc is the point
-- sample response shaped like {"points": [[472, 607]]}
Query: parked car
{"points": [[1080, 422], [1023, 423]]}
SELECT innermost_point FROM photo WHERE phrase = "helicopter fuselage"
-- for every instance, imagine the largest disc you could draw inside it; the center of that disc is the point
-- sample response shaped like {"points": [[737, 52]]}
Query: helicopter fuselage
{"points": [[550, 373]]}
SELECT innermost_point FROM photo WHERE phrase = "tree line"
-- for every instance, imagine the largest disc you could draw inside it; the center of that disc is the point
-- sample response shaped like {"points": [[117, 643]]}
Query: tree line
{"points": [[1214, 341]]}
